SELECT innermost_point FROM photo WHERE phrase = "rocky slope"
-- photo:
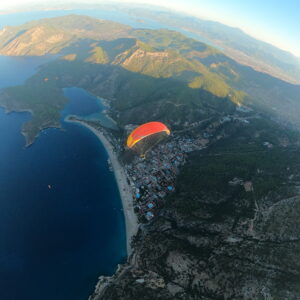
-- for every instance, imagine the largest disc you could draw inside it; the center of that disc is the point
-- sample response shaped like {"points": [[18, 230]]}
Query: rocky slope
{"points": [[218, 237], [50, 36], [235, 43]]}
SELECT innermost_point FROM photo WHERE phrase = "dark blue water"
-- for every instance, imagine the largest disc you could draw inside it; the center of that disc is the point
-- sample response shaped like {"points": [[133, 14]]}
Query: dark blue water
{"points": [[61, 223], [92, 112], [14, 70], [78, 95]]}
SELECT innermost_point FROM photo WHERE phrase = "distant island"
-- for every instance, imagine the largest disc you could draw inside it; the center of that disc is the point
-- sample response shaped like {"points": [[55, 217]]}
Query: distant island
{"points": [[219, 200]]}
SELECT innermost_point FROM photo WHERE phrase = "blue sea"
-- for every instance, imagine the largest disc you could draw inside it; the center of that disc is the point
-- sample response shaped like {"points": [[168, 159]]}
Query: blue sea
{"points": [[61, 218]]}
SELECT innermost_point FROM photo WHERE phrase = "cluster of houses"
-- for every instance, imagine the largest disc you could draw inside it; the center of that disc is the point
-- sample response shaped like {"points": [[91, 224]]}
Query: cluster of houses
{"points": [[153, 178]]}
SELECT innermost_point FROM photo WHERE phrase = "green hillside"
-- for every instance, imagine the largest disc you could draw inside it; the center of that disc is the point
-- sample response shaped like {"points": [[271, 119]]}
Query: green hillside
{"points": [[235, 43], [149, 74], [157, 53], [52, 35]]}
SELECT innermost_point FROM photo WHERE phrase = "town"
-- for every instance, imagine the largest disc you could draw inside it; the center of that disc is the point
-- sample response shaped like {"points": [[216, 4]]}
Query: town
{"points": [[153, 177]]}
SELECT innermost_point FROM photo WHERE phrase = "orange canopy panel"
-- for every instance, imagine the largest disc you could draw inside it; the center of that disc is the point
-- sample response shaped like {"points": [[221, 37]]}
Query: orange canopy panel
{"points": [[146, 130]]}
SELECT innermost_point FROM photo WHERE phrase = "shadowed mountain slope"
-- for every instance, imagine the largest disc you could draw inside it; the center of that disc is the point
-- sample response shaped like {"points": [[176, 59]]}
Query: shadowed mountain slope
{"points": [[193, 66]]}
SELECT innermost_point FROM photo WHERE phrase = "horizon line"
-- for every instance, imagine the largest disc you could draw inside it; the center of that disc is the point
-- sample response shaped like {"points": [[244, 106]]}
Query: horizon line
{"points": [[69, 6]]}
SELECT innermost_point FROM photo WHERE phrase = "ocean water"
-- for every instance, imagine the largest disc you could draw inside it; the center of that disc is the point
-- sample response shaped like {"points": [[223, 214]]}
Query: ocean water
{"points": [[61, 219], [92, 112], [15, 70]]}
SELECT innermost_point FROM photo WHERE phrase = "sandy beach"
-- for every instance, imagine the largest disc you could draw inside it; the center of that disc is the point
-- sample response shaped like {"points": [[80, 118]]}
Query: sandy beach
{"points": [[124, 189]]}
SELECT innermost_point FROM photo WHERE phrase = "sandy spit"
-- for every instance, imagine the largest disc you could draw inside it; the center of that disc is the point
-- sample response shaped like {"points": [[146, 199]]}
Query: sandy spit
{"points": [[121, 179]]}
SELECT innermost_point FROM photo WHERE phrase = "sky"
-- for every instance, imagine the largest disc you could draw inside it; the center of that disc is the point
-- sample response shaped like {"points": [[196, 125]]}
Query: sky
{"points": [[273, 21]]}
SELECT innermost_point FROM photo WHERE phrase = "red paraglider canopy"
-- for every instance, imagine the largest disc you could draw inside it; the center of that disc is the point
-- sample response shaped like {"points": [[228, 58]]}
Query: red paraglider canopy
{"points": [[145, 130]]}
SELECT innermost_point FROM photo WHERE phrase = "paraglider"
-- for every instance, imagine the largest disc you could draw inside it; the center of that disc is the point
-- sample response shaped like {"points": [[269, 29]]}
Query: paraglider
{"points": [[146, 136]]}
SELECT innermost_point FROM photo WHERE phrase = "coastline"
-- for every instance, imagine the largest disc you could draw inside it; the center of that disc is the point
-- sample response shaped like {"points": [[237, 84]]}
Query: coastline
{"points": [[131, 222]]}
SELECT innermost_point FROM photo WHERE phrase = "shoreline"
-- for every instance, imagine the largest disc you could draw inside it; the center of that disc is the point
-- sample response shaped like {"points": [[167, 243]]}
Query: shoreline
{"points": [[131, 222]]}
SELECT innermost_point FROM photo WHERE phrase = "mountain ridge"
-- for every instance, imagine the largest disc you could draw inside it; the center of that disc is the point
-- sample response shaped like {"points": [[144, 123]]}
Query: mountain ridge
{"points": [[272, 60], [155, 53]]}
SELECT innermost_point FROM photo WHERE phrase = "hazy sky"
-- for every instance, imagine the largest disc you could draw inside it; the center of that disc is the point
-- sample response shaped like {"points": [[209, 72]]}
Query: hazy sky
{"points": [[274, 21]]}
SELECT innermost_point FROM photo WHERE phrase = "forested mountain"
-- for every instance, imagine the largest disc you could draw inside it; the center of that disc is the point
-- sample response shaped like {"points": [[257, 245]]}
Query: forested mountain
{"points": [[235, 43], [170, 67]]}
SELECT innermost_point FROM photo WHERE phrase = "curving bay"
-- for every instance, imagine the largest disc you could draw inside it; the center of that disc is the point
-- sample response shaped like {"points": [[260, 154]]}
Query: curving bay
{"points": [[61, 218]]}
